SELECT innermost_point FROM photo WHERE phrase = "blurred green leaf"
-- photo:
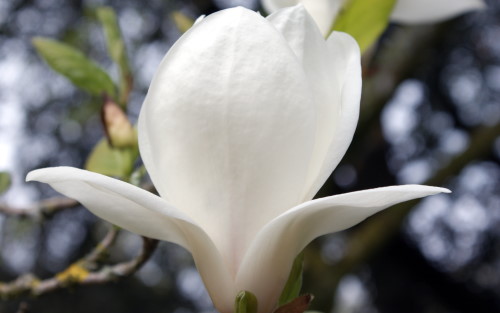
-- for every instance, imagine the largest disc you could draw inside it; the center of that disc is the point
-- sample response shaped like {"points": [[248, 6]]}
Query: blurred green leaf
{"points": [[75, 66], [245, 302], [5, 181], [112, 161], [116, 48], [364, 20], [181, 21], [294, 282]]}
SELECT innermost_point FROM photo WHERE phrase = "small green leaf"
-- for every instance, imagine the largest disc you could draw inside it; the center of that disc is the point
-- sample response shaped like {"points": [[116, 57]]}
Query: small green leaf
{"points": [[112, 161], [75, 66], [116, 48], [181, 21], [364, 20], [5, 181], [294, 282], [245, 302], [119, 130]]}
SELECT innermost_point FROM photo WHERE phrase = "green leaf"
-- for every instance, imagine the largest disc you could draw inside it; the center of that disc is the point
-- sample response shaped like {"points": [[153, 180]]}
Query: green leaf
{"points": [[365, 20], [116, 48], [245, 302], [112, 161], [294, 282], [5, 181], [75, 66]]}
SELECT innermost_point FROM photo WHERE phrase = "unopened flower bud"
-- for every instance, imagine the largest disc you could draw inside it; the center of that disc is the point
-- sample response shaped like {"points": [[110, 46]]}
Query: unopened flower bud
{"points": [[119, 130]]}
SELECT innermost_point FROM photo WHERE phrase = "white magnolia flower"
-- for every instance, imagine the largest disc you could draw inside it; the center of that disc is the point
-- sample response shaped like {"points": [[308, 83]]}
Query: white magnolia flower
{"points": [[405, 11], [243, 122]]}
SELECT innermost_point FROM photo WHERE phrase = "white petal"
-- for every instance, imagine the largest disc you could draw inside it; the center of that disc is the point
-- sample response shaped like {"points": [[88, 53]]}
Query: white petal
{"points": [[303, 36], [333, 68], [227, 127], [339, 116], [199, 19], [428, 11], [322, 11], [271, 6], [268, 261], [148, 215]]}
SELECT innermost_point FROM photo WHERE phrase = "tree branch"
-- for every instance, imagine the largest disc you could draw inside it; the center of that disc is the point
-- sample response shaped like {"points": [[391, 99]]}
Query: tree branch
{"points": [[79, 272], [42, 209], [49, 207]]}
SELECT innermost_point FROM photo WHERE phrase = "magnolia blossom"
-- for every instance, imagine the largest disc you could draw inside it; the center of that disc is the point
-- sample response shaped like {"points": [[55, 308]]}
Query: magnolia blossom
{"points": [[405, 11], [244, 121]]}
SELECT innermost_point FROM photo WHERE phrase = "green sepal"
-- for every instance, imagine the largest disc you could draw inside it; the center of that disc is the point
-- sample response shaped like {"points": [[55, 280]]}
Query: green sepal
{"points": [[364, 20], [245, 302], [294, 282], [75, 66]]}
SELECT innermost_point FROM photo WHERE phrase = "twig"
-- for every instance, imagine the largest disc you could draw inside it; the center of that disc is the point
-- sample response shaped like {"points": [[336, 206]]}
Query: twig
{"points": [[78, 273], [49, 207], [42, 209], [101, 250]]}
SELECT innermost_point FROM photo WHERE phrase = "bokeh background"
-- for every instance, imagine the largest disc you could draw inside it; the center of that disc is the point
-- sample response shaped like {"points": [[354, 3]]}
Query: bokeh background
{"points": [[430, 114]]}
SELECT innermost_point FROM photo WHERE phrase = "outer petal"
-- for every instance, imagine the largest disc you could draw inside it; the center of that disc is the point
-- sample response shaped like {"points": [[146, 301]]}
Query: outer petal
{"points": [[323, 11], [227, 127], [268, 261], [347, 65], [427, 11], [334, 71], [143, 213]]}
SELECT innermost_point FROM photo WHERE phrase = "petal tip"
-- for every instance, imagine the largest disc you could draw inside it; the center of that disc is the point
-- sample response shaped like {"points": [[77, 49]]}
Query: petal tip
{"points": [[51, 174], [430, 190], [481, 5], [338, 35], [34, 175]]}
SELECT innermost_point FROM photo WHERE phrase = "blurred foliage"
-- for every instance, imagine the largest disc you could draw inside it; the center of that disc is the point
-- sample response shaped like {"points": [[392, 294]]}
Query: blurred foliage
{"points": [[182, 22], [116, 49], [5, 181], [107, 160], [359, 19]]}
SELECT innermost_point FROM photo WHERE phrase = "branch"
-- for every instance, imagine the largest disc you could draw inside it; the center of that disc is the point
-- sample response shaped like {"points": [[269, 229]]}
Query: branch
{"points": [[49, 207], [42, 209], [78, 273]]}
